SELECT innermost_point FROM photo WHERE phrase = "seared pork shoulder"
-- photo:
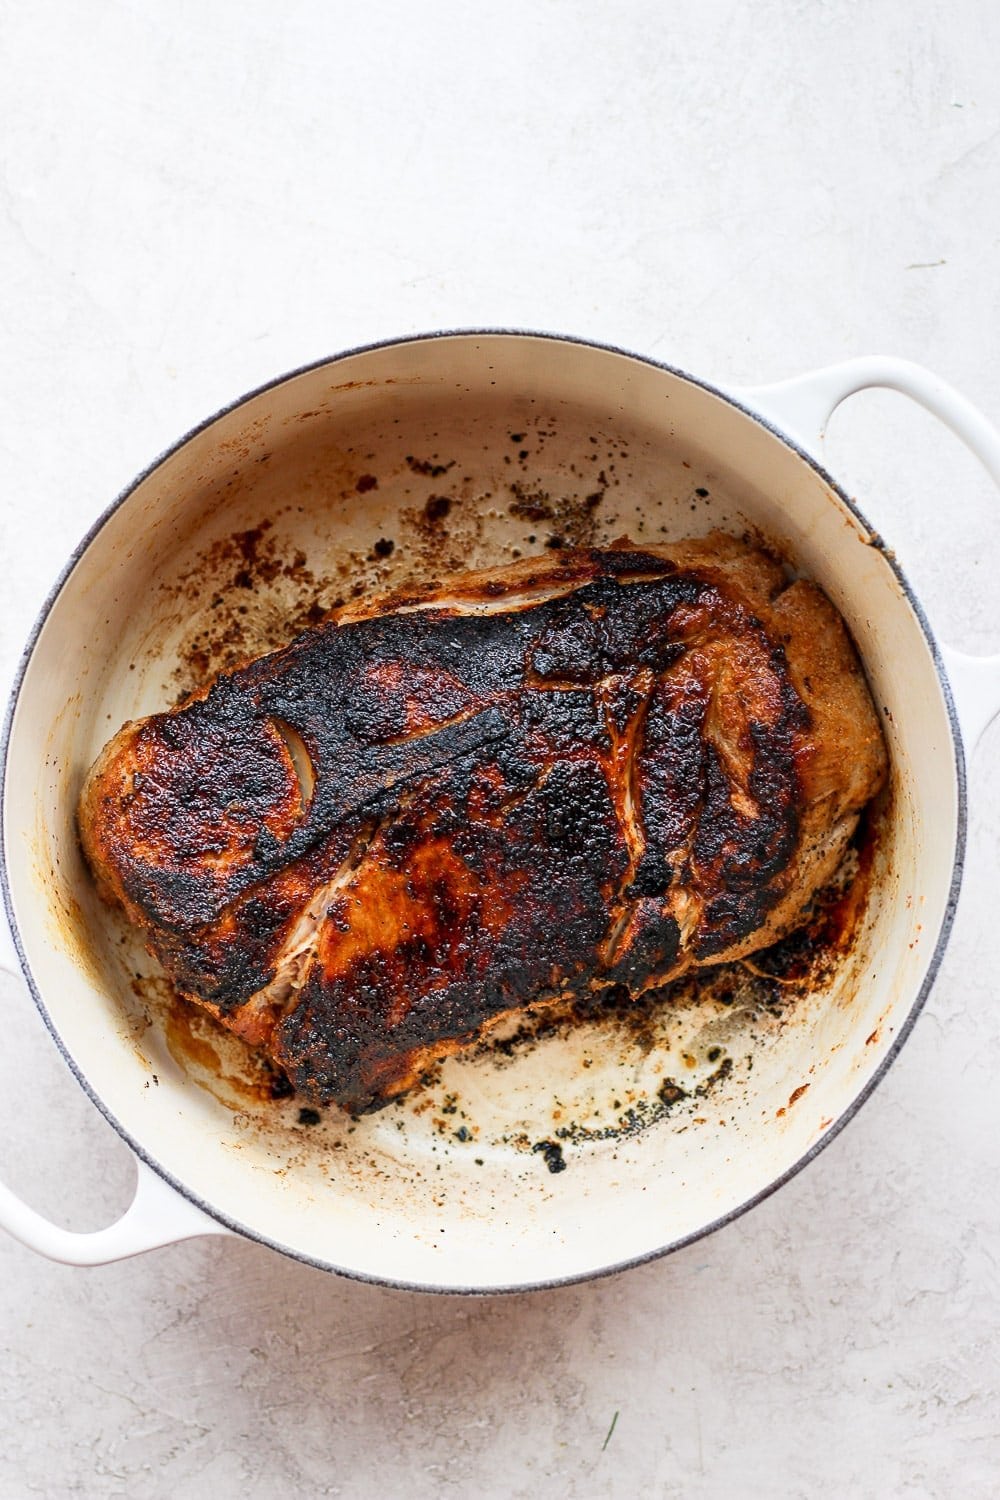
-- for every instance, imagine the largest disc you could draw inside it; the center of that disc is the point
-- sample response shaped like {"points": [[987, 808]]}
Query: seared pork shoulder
{"points": [[434, 808]]}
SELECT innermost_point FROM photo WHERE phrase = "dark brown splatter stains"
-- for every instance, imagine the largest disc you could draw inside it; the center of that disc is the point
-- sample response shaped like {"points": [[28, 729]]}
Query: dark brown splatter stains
{"points": [[259, 564], [670, 1092], [436, 509], [259, 594], [316, 612], [572, 520], [428, 466], [530, 504], [552, 1153], [366, 482]]}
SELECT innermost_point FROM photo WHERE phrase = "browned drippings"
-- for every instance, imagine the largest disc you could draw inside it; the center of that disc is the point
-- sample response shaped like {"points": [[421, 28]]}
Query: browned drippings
{"points": [[237, 1075], [807, 957]]}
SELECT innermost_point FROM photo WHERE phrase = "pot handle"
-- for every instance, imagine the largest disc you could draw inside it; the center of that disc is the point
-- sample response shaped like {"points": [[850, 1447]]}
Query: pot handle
{"points": [[157, 1215], [800, 409]]}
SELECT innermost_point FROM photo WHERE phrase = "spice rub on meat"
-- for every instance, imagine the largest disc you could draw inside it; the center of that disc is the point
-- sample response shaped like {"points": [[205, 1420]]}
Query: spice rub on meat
{"points": [[591, 770]]}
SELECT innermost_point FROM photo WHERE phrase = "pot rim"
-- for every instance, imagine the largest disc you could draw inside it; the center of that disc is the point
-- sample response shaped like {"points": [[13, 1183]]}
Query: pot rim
{"points": [[842, 1120]]}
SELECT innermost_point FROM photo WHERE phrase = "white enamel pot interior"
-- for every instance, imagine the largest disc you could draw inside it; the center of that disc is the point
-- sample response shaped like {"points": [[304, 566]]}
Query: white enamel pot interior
{"points": [[444, 1191]]}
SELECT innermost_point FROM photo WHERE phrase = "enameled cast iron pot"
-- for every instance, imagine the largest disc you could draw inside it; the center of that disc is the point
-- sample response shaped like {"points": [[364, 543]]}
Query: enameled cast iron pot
{"points": [[333, 458]]}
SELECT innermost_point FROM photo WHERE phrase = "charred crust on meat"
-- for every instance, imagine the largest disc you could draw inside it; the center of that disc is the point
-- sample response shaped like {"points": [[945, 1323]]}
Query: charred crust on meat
{"points": [[585, 772]]}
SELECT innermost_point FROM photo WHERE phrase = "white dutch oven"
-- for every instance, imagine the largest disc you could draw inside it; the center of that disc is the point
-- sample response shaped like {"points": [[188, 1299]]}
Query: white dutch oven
{"points": [[402, 1198]]}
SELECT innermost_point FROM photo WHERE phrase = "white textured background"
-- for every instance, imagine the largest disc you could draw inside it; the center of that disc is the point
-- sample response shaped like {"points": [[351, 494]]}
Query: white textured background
{"points": [[196, 196]]}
